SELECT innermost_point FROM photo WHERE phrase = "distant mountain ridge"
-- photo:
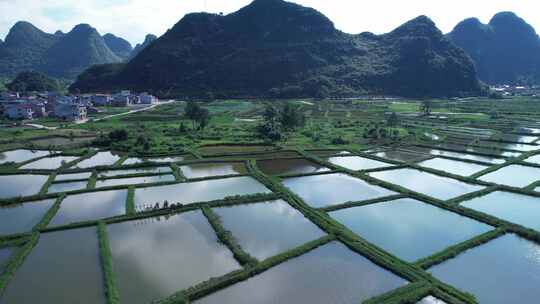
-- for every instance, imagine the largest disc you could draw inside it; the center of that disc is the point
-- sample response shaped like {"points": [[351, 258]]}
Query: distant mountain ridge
{"points": [[120, 47], [281, 49], [61, 55], [506, 50], [141, 46]]}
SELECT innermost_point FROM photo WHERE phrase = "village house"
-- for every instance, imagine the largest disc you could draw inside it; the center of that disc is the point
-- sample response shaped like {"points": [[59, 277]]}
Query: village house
{"points": [[146, 98], [70, 111], [101, 100], [19, 109]]}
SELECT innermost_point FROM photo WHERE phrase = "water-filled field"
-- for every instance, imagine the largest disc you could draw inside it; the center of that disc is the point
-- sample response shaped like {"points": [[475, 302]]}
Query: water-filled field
{"points": [[99, 159], [20, 218], [453, 166], [357, 163], [426, 183], [90, 206], [21, 155], [504, 270], [67, 186], [201, 191], [514, 175], [269, 228], [516, 208], [274, 224], [322, 190], [50, 163], [412, 229], [155, 257], [213, 169], [21, 185], [135, 180], [63, 268], [289, 166], [328, 274]]}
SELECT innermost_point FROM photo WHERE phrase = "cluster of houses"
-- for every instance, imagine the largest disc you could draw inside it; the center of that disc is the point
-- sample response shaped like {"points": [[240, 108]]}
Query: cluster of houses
{"points": [[65, 107], [512, 90]]}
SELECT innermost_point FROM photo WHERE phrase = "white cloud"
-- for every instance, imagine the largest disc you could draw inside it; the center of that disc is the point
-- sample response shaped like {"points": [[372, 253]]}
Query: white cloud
{"points": [[133, 19]]}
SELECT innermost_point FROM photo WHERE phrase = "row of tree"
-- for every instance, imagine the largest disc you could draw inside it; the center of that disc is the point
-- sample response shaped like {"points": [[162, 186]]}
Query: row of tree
{"points": [[280, 119]]}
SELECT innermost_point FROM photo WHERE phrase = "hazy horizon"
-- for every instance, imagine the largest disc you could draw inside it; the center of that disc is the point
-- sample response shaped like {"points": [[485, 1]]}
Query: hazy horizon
{"points": [[133, 19]]}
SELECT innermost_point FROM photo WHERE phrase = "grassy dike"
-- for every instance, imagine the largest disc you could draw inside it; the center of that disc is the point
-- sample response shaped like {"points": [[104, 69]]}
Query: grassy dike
{"points": [[17, 259], [111, 290], [205, 288], [226, 237], [130, 201]]}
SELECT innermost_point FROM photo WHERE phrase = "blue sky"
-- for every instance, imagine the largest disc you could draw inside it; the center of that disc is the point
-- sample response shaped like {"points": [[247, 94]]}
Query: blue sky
{"points": [[133, 19]]}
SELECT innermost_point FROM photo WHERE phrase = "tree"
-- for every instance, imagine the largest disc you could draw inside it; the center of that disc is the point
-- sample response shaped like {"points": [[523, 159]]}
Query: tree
{"points": [[426, 107], [197, 115], [393, 120], [203, 118], [292, 117], [118, 135]]}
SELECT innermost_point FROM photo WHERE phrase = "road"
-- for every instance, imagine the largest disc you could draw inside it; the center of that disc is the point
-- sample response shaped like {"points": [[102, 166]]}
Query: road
{"points": [[142, 109]]}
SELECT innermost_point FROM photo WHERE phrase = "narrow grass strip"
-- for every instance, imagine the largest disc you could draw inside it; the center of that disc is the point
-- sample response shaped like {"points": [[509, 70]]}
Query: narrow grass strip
{"points": [[111, 291], [48, 183], [177, 172], [17, 260], [92, 180], [130, 201], [227, 238], [455, 250], [47, 218]]}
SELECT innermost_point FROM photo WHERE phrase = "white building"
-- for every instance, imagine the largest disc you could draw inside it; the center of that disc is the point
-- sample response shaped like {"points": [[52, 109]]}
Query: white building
{"points": [[70, 111], [146, 98], [101, 100], [19, 109]]}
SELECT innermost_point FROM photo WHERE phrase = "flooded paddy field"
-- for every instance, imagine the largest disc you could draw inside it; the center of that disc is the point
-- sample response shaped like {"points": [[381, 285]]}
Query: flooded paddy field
{"points": [[516, 208], [67, 187], [333, 273], [426, 183], [412, 229], [201, 191], [72, 176], [20, 218], [289, 166], [357, 163], [504, 270], [50, 163], [90, 206], [145, 170], [514, 176], [21, 155], [399, 155], [135, 180], [21, 185], [5, 255], [320, 190], [271, 222], [464, 156], [100, 159], [155, 257], [213, 169], [453, 166], [63, 268], [269, 228]]}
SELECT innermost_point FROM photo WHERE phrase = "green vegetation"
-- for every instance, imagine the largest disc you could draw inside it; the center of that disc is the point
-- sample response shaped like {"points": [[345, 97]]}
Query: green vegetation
{"points": [[313, 127], [17, 260], [413, 60], [113, 296], [228, 239], [64, 56], [33, 82]]}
